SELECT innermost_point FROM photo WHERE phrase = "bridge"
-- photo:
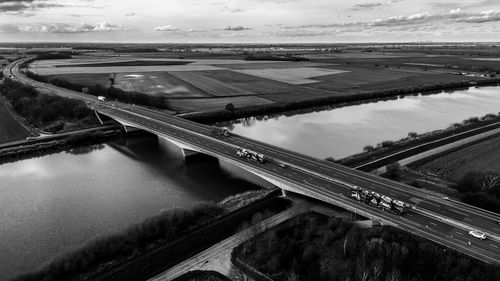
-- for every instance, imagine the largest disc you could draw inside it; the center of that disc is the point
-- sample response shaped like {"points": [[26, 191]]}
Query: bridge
{"points": [[441, 220]]}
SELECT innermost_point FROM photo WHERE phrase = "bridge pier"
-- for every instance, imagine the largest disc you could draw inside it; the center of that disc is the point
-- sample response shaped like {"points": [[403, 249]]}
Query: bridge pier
{"points": [[187, 153], [283, 193]]}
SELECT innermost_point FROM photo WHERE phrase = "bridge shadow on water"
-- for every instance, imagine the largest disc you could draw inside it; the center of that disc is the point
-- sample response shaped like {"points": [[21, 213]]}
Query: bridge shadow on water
{"points": [[198, 174]]}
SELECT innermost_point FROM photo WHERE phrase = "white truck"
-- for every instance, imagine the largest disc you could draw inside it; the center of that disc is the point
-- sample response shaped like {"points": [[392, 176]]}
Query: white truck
{"points": [[101, 98], [221, 131]]}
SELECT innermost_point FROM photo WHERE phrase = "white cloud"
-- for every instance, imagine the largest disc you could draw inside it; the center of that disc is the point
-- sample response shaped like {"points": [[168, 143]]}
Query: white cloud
{"points": [[60, 28], [236, 28], [166, 28]]}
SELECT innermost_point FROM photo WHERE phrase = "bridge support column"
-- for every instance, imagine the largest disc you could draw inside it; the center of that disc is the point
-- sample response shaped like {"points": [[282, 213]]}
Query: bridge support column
{"points": [[186, 153], [283, 193]]}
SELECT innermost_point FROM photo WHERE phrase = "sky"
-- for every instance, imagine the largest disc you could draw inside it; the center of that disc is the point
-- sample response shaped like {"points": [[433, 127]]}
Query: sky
{"points": [[249, 21]]}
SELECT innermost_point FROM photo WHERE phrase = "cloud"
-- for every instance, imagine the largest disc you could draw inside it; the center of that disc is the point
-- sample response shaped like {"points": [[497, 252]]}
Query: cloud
{"points": [[453, 16], [368, 5], [236, 28], [486, 16], [166, 28], [32, 5], [60, 28]]}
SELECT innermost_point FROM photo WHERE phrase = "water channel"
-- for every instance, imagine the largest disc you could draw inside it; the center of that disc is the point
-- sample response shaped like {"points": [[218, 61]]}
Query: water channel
{"points": [[51, 203], [346, 130]]}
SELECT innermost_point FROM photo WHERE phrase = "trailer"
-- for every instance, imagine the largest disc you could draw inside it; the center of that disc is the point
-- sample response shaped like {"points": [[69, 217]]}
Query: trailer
{"points": [[221, 131], [385, 203], [250, 155], [101, 98]]}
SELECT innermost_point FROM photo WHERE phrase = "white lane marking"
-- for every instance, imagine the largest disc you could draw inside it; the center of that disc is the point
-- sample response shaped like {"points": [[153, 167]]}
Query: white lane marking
{"points": [[466, 219], [459, 233], [493, 246], [433, 223], [427, 202]]}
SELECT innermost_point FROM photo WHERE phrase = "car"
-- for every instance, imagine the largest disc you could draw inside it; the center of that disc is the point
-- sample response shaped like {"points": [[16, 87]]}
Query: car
{"points": [[282, 165], [477, 234]]}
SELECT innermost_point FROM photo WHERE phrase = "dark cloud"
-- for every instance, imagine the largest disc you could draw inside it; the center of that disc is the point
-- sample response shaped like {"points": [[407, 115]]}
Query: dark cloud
{"points": [[18, 6], [236, 28]]}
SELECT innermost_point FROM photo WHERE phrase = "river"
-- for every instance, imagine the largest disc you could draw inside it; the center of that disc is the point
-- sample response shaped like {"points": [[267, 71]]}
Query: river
{"points": [[344, 131], [51, 203]]}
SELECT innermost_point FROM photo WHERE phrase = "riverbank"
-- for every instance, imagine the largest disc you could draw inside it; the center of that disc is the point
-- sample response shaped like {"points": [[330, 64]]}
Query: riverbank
{"points": [[387, 152], [167, 239], [233, 113], [49, 145]]}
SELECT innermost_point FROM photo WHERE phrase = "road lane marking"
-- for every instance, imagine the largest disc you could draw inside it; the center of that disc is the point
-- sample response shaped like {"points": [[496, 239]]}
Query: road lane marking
{"points": [[494, 246], [433, 223], [459, 233]]}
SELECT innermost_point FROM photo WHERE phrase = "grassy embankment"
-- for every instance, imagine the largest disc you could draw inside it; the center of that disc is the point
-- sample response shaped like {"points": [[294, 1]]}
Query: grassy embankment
{"points": [[10, 128], [388, 147], [146, 248], [316, 248]]}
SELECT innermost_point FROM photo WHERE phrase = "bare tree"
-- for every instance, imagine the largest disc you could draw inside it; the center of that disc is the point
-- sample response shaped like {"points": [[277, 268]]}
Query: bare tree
{"points": [[490, 180]]}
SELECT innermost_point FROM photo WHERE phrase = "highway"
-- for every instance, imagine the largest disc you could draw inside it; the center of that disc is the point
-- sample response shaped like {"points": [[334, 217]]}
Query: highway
{"points": [[441, 220]]}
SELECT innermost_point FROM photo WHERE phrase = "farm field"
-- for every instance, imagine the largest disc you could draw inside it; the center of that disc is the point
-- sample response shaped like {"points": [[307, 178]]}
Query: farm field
{"points": [[129, 63], [209, 85], [10, 129], [213, 104], [294, 76], [482, 156], [156, 83], [88, 79], [259, 86], [120, 69]]}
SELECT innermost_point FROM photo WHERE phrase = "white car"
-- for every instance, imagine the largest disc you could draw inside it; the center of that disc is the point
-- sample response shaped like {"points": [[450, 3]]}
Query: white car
{"points": [[477, 234]]}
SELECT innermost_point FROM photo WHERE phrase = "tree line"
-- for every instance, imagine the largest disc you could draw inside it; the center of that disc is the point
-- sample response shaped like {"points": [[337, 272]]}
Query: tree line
{"points": [[316, 248], [46, 111]]}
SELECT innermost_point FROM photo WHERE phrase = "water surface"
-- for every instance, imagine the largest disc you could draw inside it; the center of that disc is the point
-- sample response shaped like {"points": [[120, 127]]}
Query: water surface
{"points": [[345, 131]]}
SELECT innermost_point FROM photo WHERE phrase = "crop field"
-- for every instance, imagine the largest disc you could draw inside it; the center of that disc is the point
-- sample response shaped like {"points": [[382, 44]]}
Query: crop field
{"points": [[156, 83], [480, 157], [87, 79], [212, 104], [366, 78], [209, 85], [128, 63], [10, 129], [294, 76]]}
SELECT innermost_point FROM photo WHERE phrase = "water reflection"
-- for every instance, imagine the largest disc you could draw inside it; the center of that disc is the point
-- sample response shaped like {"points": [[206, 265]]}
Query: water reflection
{"points": [[345, 130], [53, 202]]}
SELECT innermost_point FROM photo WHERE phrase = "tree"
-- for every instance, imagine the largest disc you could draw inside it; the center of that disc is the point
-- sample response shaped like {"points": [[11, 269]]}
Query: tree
{"points": [[393, 170], [368, 148], [230, 107], [412, 135]]}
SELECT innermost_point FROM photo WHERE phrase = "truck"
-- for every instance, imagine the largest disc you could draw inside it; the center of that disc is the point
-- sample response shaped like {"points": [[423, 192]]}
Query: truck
{"points": [[221, 131], [101, 98], [250, 155], [383, 202]]}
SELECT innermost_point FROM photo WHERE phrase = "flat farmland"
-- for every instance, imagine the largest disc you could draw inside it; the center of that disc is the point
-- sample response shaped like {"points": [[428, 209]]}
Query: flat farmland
{"points": [[482, 156], [129, 63], [87, 79], [10, 129], [156, 83], [209, 85], [367, 77], [213, 104], [293, 76]]}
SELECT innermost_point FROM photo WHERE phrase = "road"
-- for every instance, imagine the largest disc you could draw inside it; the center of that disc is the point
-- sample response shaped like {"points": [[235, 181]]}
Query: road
{"points": [[201, 260], [440, 220]]}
